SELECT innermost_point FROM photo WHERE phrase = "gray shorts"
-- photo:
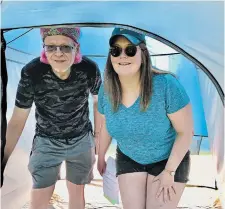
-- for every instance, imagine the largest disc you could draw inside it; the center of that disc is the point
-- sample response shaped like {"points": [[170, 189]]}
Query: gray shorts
{"points": [[48, 154]]}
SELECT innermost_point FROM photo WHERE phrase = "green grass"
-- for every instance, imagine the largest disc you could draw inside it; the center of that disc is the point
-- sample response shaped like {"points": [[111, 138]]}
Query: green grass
{"points": [[205, 153]]}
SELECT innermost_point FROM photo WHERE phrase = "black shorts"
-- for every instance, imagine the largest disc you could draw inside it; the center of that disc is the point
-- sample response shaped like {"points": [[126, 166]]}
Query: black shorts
{"points": [[124, 165]]}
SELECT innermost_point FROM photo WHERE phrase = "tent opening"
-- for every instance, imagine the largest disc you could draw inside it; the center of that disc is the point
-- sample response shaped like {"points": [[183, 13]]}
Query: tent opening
{"points": [[205, 92]]}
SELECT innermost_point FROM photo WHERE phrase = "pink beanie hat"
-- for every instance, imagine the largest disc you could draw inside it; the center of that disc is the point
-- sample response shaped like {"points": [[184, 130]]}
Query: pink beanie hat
{"points": [[73, 33]]}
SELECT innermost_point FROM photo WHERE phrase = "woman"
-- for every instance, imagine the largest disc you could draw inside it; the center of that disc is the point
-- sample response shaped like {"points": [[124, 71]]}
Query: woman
{"points": [[150, 116]]}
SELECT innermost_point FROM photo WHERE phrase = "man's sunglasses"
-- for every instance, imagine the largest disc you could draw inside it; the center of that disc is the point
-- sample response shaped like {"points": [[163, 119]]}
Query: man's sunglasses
{"points": [[130, 51], [62, 48]]}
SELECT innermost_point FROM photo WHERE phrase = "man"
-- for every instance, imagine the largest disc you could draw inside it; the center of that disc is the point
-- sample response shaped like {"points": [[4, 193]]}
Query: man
{"points": [[58, 83]]}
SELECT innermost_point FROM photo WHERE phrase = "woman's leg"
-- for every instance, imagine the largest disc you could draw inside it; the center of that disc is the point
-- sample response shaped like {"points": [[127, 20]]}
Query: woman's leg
{"points": [[133, 190]]}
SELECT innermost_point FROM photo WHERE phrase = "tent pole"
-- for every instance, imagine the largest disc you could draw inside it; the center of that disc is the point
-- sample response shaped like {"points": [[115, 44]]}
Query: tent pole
{"points": [[4, 80]]}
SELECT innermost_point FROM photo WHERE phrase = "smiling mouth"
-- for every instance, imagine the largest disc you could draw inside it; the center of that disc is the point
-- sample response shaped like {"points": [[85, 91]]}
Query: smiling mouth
{"points": [[59, 61], [124, 64]]}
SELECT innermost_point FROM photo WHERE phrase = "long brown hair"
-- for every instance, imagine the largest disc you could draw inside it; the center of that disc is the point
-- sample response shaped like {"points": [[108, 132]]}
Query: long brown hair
{"points": [[113, 87]]}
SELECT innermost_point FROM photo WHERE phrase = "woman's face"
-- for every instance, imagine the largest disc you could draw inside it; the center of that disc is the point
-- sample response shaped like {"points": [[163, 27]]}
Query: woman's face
{"points": [[62, 57], [123, 64]]}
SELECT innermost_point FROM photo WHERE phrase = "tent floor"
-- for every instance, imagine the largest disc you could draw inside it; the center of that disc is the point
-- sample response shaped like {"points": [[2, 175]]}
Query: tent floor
{"points": [[193, 197], [15, 193]]}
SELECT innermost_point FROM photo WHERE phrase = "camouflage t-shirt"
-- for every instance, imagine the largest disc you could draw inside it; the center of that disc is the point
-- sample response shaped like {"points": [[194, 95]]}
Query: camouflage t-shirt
{"points": [[61, 105]]}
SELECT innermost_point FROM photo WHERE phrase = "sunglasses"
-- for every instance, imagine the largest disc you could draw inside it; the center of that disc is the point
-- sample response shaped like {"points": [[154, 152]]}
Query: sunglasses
{"points": [[62, 48], [130, 51]]}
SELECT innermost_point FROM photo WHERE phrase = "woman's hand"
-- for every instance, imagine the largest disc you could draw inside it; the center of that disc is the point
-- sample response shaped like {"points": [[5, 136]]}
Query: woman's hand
{"points": [[166, 183], [101, 164]]}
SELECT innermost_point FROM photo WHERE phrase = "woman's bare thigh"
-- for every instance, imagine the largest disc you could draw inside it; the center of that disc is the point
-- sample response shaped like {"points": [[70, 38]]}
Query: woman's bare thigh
{"points": [[133, 190]]}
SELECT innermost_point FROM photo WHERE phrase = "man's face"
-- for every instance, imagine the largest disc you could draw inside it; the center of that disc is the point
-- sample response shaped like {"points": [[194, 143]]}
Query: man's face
{"points": [[60, 51]]}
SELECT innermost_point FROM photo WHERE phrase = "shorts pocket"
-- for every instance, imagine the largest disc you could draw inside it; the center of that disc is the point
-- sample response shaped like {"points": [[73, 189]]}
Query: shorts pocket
{"points": [[34, 143], [34, 161], [40, 147]]}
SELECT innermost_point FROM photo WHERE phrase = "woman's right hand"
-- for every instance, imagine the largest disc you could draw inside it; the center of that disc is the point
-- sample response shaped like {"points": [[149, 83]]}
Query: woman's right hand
{"points": [[101, 165]]}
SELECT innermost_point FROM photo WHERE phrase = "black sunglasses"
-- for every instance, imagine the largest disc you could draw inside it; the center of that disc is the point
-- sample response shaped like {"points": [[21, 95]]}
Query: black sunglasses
{"points": [[130, 51], [62, 48]]}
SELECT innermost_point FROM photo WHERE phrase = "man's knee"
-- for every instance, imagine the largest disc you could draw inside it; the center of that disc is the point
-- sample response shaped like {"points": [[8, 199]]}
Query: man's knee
{"points": [[40, 197], [79, 189]]}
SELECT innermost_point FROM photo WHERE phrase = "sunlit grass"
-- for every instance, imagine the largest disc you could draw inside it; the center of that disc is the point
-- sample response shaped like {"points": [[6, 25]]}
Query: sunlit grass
{"points": [[205, 153]]}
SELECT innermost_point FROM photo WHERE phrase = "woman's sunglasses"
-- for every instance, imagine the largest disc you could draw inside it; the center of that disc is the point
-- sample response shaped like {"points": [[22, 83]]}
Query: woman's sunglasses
{"points": [[130, 51], [62, 48]]}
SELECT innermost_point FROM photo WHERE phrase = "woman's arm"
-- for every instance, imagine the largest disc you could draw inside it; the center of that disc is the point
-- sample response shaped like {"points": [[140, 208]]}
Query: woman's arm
{"points": [[183, 124], [104, 139], [104, 142]]}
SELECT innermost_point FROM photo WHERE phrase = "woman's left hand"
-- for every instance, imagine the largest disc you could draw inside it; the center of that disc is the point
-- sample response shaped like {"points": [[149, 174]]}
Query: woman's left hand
{"points": [[166, 186]]}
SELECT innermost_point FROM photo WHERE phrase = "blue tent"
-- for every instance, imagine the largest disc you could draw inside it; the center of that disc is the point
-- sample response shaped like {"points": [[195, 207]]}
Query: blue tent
{"points": [[194, 32]]}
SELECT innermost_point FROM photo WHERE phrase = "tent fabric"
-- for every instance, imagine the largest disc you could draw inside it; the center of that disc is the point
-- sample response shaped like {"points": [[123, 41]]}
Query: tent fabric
{"points": [[4, 79], [196, 27], [188, 77], [214, 114]]}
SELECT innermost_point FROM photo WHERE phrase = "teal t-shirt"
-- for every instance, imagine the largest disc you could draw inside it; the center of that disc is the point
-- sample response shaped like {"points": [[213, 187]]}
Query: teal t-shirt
{"points": [[146, 137]]}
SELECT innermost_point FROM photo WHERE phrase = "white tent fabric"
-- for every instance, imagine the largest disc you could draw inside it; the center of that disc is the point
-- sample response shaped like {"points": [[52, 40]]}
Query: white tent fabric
{"points": [[195, 29], [214, 113]]}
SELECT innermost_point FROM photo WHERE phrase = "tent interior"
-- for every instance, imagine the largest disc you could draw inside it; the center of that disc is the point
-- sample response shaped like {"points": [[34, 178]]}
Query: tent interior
{"points": [[190, 52]]}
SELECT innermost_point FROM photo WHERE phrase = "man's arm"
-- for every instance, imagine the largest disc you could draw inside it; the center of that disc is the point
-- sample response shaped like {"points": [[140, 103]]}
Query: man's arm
{"points": [[14, 130], [23, 104], [97, 121], [95, 81]]}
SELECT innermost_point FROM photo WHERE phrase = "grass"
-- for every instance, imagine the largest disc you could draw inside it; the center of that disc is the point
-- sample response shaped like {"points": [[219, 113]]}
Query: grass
{"points": [[205, 153]]}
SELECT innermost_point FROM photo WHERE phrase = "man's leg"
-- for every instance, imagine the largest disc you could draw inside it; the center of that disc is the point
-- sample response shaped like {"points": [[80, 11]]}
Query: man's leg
{"points": [[40, 197], [44, 166], [76, 196], [44, 179], [79, 169]]}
